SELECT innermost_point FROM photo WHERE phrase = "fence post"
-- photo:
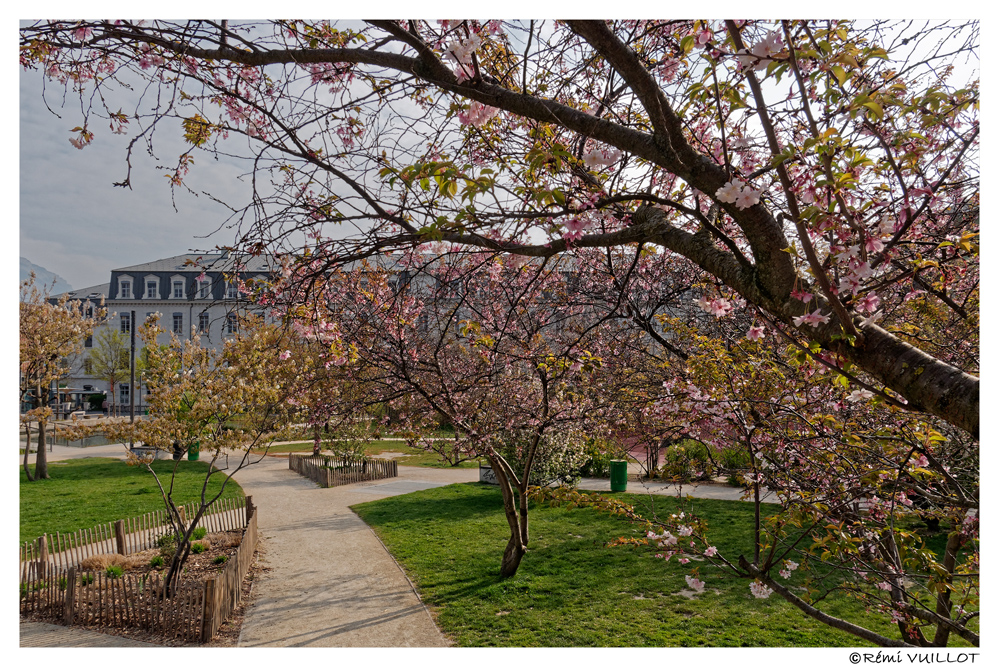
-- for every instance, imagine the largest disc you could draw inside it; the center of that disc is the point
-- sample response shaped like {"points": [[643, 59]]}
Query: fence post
{"points": [[70, 596], [43, 556], [249, 508], [208, 613], [120, 536], [180, 511]]}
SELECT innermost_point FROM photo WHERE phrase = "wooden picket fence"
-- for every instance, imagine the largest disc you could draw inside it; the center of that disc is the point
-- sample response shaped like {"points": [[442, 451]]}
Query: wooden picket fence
{"points": [[125, 536], [53, 584], [329, 471]]}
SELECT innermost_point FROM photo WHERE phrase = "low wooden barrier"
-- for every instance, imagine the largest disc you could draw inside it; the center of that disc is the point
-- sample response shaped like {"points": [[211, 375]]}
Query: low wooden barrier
{"points": [[329, 471], [53, 585]]}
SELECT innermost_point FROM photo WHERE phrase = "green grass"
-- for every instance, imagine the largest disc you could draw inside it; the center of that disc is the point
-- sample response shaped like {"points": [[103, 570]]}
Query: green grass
{"points": [[85, 492], [413, 456], [572, 590]]}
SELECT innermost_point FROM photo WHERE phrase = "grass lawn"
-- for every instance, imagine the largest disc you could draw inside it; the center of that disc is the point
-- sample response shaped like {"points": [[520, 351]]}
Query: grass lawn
{"points": [[413, 457], [85, 492], [571, 590]]}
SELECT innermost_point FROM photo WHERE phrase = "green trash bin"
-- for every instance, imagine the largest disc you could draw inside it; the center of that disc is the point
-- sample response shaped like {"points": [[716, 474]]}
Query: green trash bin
{"points": [[619, 475], [193, 451]]}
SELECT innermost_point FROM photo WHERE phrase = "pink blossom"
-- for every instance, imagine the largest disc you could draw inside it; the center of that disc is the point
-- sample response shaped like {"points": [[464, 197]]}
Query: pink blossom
{"points": [[695, 583], [683, 561], [873, 244], [813, 319], [760, 590], [868, 303], [785, 574], [685, 531], [477, 114], [804, 297], [748, 197], [711, 551], [284, 355], [601, 157], [756, 332], [729, 192]]}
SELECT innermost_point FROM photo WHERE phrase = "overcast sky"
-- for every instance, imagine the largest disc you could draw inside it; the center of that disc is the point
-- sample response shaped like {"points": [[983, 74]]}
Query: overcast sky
{"points": [[76, 223]]}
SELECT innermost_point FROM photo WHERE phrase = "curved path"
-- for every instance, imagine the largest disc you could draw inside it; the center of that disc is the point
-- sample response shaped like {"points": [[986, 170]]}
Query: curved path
{"points": [[332, 583]]}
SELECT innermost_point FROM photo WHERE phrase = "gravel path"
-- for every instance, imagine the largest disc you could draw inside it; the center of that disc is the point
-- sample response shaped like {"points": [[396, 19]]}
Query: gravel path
{"points": [[331, 582]]}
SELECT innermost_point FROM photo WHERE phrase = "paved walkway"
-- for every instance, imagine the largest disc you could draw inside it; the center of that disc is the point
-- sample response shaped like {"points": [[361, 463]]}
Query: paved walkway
{"points": [[46, 635], [331, 582]]}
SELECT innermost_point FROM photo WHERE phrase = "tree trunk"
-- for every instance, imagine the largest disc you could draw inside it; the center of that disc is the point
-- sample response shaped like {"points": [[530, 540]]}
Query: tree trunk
{"points": [[517, 544], [41, 462], [512, 556], [27, 451]]}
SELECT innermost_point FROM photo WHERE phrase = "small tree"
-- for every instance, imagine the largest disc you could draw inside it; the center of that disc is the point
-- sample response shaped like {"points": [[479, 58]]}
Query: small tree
{"points": [[109, 360], [49, 332], [231, 402]]}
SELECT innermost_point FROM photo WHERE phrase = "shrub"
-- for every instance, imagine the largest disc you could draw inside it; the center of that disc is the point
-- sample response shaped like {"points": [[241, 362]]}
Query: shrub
{"points": [[199, 533], [599, 457], [197, 547], [219, 560], [86, 579], [114, 571], [156, 561], [558, 458], [165, 540]]}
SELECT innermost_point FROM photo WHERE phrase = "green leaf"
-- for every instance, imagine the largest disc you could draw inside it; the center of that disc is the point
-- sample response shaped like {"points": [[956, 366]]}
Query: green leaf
{"points": [[839, 72]]}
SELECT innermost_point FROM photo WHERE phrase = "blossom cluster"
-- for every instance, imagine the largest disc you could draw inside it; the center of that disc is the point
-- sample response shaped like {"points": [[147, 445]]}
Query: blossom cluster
{"points": [[477, 114], [597, 157], [739, 193], [718, 307], [761, 52]]}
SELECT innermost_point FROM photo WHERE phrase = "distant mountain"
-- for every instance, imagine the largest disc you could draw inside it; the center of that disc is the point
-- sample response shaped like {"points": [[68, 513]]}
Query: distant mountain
{"points": [[44, 277]]}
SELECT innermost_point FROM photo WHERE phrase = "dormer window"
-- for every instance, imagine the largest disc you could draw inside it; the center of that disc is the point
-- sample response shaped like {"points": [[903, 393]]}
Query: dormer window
{"points": [[152, 287], [232, 290], [204, 288], [125, 289], [177, 287]]}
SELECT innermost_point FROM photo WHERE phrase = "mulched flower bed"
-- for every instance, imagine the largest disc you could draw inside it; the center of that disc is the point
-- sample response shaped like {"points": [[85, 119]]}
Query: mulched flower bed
{"points": [[197, 568]]}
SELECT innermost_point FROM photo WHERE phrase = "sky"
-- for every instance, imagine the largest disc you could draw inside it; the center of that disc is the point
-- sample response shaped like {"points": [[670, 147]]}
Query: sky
{"points": [[76, 223]]}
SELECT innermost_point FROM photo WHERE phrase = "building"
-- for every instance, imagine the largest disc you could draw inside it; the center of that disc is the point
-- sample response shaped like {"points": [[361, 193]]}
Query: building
{"points": [[193, 293]]}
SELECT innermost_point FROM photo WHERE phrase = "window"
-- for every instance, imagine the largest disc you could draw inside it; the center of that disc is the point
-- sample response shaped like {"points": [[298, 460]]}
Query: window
{"points": [[230, 323], [232, 290], [178, 289], [178, 323], [123, 393], [202, 322], [126, 323], [125, 289], [151, 289], [204, 289], [89, 342], [88, 367]]}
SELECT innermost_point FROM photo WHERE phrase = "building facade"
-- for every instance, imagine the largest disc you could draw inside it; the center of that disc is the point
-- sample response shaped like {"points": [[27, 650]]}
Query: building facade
{"points": [[195, 294]]}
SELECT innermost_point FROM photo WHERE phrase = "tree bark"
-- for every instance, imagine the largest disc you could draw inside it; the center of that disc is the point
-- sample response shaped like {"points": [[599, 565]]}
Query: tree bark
{"points": [[516, 544], [27, 451]]}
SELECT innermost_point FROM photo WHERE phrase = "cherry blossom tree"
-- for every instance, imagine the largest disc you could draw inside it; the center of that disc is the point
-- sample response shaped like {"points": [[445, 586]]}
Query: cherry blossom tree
{"points": [[498, 350], [813, 182], [49, 333], [832, 159], [230, 403]]}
